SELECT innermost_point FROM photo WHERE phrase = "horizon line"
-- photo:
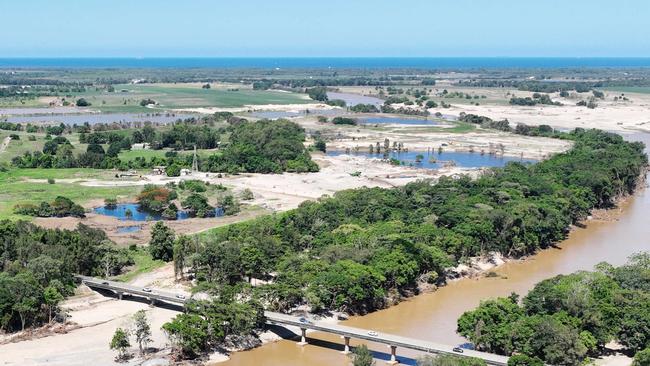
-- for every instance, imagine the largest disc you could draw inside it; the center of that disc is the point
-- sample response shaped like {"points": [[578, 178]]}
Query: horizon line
{"points": [[289, 57]]}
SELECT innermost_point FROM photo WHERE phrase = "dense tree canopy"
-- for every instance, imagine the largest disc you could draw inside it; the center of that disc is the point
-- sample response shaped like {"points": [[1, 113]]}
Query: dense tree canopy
{"points": [[350, 251], [564, 319], [37, 266], [264, 147]]}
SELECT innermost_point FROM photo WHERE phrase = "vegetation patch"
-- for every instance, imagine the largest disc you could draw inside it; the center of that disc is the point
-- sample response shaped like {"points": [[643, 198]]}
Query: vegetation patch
{"points": [[567, 318]]}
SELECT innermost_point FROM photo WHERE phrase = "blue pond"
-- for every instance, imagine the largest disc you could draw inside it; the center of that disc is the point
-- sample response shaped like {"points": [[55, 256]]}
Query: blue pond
{"points": [[138, 215], [437, 160], [397, 121], [128, 229]]}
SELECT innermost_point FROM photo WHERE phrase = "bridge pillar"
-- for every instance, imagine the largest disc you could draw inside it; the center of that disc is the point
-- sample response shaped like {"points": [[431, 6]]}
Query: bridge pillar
{"points": [[119, 295], [303, 337], [152, 301], [346, 347], [393, 356]]}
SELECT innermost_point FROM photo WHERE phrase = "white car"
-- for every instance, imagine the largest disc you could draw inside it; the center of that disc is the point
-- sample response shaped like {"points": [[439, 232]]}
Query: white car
{"points": [[372, 333], [146, 289], [180, 296]]}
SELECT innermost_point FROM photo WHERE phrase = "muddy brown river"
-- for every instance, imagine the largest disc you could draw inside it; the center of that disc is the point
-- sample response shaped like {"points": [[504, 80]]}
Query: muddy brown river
{"points": [[433, 316]]}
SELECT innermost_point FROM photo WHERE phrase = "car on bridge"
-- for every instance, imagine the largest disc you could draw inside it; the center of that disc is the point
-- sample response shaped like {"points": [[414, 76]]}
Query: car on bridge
{"points": [[372, 333]]}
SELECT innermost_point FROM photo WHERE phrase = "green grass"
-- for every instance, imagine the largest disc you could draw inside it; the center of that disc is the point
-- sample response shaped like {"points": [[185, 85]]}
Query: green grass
{"points": [[183, 96], [127, 155], [143, 263], [172, 96], [630, 89], [459, 127], [19, 147], [15, 189]]}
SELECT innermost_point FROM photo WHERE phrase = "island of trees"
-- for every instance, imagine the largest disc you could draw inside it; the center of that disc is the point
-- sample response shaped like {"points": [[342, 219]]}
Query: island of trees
{"points": [[567, 318]]}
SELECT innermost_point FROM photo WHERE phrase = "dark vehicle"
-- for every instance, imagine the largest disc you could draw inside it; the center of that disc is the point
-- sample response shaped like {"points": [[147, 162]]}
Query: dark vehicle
{"points": [[458, 350]]}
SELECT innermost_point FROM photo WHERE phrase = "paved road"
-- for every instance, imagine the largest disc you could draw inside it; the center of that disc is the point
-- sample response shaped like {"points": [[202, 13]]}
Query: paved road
{"points": [[388, 339], [288, 320]]}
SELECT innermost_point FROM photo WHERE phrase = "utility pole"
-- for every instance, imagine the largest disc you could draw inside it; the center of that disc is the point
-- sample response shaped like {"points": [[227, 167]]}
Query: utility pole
{"points": [[195, 163]]}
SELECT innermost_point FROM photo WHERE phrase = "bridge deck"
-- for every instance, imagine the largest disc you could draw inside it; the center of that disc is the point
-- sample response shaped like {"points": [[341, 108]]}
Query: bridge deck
{"points": [[288, 320]]}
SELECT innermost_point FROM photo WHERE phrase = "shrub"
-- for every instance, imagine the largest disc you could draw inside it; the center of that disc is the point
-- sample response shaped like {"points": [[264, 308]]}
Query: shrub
{"points": [[81, 102], [344, 121]]}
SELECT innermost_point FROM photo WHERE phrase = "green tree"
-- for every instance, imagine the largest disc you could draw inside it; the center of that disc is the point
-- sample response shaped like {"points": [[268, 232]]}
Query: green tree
{"points": [[120, 343], [52, 298], [642, 358], [188, 334], [449, 360], [524, 360], [486, 325], [173, 170], [161, 245], [81, 102], [181, 246], [320, 145], [361, 356], [141, 330]]}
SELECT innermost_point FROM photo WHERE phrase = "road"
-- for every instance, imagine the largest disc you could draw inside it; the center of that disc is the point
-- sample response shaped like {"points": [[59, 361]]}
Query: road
{"points": [[391, 340]]}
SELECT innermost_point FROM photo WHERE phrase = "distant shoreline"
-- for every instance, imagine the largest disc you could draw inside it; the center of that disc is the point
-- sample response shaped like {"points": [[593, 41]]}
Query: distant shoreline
{"points": [[326, 62]]}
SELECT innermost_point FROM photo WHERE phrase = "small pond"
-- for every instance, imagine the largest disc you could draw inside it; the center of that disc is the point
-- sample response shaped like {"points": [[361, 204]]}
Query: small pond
{"points": [[138, 215], [128, 229], [94, 118], [437, 160], [398, 121]]}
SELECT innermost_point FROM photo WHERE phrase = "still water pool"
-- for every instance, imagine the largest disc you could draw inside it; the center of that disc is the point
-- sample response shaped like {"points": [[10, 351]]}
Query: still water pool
{"points": [[120, 212], [435, 160]]}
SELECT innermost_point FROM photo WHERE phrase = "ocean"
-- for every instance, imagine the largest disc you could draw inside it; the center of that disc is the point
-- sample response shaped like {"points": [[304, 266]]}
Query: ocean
{"points": [[330, 62]]}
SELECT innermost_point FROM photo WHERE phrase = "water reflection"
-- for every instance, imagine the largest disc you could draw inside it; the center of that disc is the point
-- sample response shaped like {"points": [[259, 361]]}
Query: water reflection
{"points": [[133, 212], [435, 160]]}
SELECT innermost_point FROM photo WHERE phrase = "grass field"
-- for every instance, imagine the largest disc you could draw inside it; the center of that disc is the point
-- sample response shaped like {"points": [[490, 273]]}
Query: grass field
{"points": [[19, 147], [630, 89], [459, 127], [127, 155], [143, 264], [126, 98], [14, 189]]}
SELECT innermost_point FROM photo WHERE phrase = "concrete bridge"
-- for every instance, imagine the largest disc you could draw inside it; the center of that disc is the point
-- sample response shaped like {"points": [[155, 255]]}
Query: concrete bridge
{"points": [[156, 297]]}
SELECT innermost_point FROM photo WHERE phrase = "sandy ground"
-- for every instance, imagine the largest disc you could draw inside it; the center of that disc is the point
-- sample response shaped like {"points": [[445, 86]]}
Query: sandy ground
{"points": [[4, 144], [97, 318], [110, 225], [609, 115], [421, 138]]}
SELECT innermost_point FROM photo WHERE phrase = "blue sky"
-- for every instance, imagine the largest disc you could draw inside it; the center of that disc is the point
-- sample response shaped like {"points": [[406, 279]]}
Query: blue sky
{"points": [[149, 28]]}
